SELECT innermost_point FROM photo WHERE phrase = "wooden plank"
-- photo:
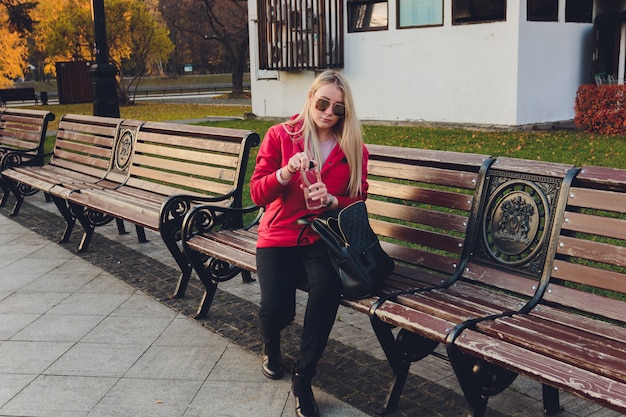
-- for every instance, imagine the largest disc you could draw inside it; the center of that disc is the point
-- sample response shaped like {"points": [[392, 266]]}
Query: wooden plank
{"points": [[597, 199], [572, 298], [592, 250], [500, 279], [595, 225], [178, 180], [464, 161], [421, 195], [579, 321], [437, 219], [419, 322], [418, 236], [429, 175], [187, 155], [525, 166], [221, 134], [421, 257], [595, 354], [597, 388], [223, 252], [588, 275], [187, 168], [602, 177]]}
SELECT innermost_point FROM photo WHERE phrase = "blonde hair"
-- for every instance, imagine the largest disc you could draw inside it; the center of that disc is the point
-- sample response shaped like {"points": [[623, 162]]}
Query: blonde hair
{"points": [[347, 130]]}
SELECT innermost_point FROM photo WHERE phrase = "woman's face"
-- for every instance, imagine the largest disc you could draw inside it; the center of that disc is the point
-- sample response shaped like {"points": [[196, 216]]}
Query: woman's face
{"points": [[327, 106]]}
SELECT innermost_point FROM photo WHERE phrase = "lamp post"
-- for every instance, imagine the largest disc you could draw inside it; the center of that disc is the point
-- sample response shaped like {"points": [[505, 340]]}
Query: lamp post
{"points": [[103, 84]]}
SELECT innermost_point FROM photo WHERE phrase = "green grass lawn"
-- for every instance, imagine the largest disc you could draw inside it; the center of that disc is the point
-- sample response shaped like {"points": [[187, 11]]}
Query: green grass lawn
{"points": [[566, 146]]}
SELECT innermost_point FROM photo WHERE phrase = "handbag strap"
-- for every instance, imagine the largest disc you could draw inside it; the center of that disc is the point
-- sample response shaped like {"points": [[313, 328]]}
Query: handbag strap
{"points": [[305, 221]]}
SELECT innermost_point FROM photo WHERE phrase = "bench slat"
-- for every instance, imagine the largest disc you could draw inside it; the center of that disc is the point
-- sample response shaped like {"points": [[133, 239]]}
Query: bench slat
{"points": [[238, 258], [599, 389], [186, 154], [567, 344], [422, 174]]}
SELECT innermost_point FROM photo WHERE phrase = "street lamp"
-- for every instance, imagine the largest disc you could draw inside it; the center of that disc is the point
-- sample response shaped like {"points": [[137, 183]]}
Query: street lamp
{"points": [[103, 84]]}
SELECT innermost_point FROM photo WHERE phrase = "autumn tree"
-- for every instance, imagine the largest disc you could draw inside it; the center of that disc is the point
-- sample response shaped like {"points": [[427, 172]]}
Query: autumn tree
{"points": [[136, 38], [16, 21], [222, 24]]}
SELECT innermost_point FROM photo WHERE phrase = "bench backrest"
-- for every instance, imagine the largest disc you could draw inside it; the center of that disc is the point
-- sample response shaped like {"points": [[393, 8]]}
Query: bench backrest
{"points": [[16, 94], [23, 130], [419, 195], [518, 224], [85, 144], [589, 274], [173, 158]]}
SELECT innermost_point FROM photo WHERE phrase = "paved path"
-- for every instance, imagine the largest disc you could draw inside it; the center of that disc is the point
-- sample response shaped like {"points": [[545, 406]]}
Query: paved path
{"points": [[95, 334], [77, 341]]}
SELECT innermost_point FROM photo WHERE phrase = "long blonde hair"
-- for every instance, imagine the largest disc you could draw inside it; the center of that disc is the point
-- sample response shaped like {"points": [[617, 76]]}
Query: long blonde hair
{"points": [[347, 130]]}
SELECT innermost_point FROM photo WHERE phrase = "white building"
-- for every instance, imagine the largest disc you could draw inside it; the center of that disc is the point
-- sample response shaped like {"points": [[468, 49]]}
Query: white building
{"points": [[491, 62]]}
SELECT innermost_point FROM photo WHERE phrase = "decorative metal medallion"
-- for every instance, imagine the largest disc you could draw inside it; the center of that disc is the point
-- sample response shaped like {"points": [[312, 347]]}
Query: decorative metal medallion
{"points": [[514, 225], [123, 150]]}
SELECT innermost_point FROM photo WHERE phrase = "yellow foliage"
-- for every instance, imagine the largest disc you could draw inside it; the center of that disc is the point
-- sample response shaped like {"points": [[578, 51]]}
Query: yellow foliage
{"points": [[13, 53]]}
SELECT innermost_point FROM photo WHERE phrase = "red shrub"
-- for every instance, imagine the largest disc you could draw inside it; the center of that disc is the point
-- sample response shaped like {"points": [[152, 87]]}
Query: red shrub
{"points": [[601, 108]]}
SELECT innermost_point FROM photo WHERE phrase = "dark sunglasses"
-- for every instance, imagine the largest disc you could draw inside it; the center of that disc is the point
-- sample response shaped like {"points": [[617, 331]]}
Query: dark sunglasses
{"points": [[322, 104]]}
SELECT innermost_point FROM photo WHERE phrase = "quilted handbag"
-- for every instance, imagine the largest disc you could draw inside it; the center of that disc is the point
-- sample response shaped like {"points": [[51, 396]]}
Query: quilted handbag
{"points": [[354, 250]]}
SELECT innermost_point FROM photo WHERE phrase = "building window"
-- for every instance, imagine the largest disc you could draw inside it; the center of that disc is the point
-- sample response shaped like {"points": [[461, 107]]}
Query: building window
{"points": [[365, 15], [579, 11], [414, 13], [297, 35], [478, 11], [542, 10]]}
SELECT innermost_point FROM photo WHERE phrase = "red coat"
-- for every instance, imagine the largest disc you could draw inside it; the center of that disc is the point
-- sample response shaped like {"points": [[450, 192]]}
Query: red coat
{"points": [[284, 204]]}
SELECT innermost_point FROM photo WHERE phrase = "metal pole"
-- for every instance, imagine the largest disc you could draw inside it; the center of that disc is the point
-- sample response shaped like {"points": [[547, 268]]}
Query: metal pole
{"points": [[103, 84]]}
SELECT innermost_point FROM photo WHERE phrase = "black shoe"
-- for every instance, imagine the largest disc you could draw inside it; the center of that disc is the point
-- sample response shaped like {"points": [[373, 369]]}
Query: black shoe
{"points": [[305, 401], [271, 364]]}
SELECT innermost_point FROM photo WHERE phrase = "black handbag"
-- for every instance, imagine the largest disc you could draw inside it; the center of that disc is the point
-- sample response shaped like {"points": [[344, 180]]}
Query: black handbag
{"points": [[354, 250]]}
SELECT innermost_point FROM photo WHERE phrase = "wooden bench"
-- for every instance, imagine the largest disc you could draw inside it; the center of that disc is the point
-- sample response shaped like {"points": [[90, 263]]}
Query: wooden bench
{"points": [[23, 136], [432, 196], [147, 173], [18, 94], [472, 255], [82, 155]]}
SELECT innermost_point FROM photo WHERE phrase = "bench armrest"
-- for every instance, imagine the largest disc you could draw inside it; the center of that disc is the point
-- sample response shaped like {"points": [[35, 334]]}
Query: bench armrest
{"points": [[204, 218], [22, 158], [178, 205]]}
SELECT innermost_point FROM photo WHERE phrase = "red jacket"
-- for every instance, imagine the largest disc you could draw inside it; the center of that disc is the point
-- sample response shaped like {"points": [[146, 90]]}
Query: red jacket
{"points": [[284, 204]]}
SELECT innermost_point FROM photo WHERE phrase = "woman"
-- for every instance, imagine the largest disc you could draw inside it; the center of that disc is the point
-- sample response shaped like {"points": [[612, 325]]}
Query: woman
{"points": [[326, 137]]}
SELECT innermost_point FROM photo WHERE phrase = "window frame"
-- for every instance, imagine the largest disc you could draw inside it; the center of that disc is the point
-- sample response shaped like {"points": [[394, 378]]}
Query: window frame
{"points": [[456, 21], [398, 20], [554, 17], [352, 4], [578, 19]]}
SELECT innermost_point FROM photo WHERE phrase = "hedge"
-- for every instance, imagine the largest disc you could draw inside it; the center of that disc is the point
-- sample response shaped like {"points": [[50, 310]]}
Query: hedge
{"points": [[601, 108]]}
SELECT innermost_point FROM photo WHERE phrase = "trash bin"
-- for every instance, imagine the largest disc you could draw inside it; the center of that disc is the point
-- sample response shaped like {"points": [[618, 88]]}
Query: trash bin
{"points": [[44, 98]]}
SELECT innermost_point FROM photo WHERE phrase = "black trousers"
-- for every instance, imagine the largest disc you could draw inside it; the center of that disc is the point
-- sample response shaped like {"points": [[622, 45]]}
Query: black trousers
{"points": [[281, 271]]}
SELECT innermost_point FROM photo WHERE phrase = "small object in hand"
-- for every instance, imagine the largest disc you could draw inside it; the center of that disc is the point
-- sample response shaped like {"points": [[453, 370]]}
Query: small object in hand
{"points": [[310, 177]]}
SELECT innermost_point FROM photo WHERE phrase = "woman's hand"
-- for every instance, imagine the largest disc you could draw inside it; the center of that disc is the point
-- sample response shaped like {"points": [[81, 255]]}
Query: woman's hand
{"points": [[319, 192], [300, 162]]}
